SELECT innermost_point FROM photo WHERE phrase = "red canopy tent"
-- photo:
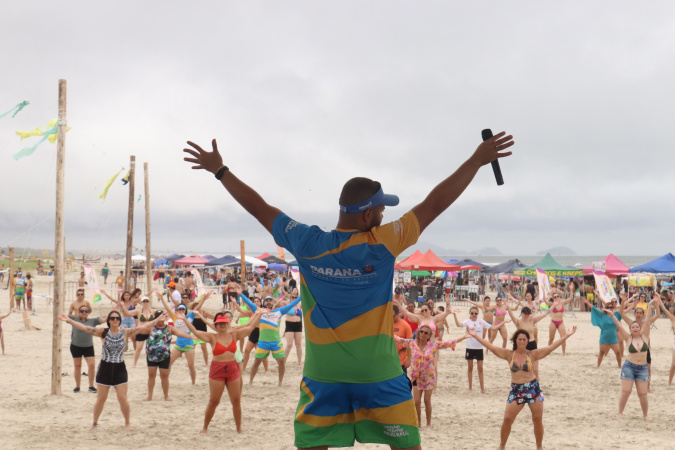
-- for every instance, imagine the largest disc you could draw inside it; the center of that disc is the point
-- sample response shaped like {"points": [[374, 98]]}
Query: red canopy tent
{"points": [[613, 266], [264, 255], [412, 257], [425, 261], [191, 260]]}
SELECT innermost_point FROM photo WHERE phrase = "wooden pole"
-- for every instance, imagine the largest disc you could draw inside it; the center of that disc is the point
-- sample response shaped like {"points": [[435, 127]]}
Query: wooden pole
{"points": [[59, 243], [243, 266], [10, 278], [148, 258], [130, 224]]}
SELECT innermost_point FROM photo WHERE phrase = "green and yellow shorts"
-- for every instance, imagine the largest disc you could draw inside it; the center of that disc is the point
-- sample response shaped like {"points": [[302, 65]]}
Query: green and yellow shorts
{"points": [[263, 350], [338, 414]]}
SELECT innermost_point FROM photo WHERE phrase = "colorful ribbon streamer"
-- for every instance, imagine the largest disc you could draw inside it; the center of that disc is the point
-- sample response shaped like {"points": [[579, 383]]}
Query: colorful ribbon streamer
{"points": [[109, 183], [49, 133], [16, 109]]}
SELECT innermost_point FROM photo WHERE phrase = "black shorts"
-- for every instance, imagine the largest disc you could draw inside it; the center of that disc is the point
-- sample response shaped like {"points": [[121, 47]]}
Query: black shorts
{"points": [[294, 327], [163, 364], [81, 351], [233, 295], [199, 324], [254, 336], [476, 354], [531, 345], [111, 374], [142, 337], [649, 356]]}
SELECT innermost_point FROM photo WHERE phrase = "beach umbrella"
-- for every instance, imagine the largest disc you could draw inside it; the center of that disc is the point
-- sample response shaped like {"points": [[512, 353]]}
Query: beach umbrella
{"points": [[277, 267], [191, 260]]}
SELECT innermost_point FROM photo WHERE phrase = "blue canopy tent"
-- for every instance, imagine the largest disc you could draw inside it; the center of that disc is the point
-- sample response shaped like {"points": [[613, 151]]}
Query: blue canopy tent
{"points": [[293, 263], [468, 262], [227, 260], [209, 257], [664, 264], [273, 259], [505, 267], [161, 262]]}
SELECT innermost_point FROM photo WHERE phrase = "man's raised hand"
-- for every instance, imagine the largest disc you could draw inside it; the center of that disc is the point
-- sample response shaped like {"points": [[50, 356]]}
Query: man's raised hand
{"points": [[210, 161], [493, 148]]}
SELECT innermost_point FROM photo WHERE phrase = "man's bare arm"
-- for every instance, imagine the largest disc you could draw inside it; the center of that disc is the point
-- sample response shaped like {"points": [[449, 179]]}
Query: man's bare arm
{"points": [[246, 196], [448, 190]]}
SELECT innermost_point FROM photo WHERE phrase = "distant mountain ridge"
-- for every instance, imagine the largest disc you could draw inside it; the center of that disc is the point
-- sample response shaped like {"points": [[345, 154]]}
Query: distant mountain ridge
{"points": [[437, 249], [558, 251]]}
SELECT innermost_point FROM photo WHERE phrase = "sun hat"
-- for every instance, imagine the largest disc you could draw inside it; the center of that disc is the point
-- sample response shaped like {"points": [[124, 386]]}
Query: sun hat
{"points": [[377, 199], [222, 319]]}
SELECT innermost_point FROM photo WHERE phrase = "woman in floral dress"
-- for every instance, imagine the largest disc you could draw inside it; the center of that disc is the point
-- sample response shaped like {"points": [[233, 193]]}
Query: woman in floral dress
{"points": [[423, 375]]}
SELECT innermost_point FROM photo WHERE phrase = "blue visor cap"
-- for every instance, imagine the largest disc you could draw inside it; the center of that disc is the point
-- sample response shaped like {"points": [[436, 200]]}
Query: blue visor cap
{"points": [[379, 198]]}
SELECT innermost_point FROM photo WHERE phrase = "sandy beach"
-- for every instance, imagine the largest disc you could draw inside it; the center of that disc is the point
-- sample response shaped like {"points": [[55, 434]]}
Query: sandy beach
{"points": [[580, 406]]}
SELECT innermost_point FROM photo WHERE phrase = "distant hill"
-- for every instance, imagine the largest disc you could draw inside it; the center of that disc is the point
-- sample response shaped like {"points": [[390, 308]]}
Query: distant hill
{"points": [[423, 246], [487, 251], [558, 251], [437, 249]]}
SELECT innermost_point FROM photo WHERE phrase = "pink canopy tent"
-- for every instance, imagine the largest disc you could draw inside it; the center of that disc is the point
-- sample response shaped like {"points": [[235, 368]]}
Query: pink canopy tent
{"points": [[425, 261], [613, 266], [264, 255], [191, 260]]}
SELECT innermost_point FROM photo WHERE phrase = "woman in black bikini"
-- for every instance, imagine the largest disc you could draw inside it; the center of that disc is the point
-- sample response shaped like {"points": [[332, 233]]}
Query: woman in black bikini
{"points": [[634, 369], [524, 386]]}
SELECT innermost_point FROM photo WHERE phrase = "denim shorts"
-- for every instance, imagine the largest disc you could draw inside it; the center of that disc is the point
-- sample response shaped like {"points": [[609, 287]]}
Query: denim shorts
{"points": [[634, 372]]}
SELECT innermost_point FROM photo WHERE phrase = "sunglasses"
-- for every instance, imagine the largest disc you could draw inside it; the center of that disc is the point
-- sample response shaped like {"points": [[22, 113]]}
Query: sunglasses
{"points": [[80, 295], [118, 319], [424, 332], [184, 296], [474, 314], [146, 301], [424, 310], [84, 310]]}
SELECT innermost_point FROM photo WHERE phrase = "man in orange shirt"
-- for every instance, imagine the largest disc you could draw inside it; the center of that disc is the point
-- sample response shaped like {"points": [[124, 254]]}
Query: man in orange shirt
{"points": [[403, 330]]}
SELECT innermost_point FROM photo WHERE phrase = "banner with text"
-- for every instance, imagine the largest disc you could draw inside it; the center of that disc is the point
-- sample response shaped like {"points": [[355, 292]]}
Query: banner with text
{"points": [[90, 276], [544, 284], [604, 287]]}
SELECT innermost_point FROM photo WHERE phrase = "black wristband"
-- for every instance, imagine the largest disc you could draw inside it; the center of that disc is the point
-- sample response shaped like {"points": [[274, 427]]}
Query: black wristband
{"points": [[221, 172]]}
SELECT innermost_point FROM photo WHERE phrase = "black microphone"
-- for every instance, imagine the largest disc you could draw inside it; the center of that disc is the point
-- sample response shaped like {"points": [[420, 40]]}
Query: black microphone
{"points": [[487, 134]]}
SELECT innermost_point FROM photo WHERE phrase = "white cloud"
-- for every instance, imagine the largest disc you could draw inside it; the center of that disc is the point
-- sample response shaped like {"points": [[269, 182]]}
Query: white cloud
{"points": [[304, 95]]}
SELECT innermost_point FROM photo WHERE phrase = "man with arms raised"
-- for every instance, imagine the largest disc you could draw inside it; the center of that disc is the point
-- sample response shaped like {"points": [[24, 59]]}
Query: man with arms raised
{"points": [[347, 275]]}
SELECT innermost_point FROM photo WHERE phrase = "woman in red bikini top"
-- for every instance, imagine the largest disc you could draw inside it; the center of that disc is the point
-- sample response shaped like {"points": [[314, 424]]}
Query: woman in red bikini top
{"points": [[557, 307], [224, 370]]}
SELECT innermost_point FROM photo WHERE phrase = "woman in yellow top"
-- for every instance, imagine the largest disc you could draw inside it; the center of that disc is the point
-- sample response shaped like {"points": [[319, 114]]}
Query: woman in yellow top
{"points": [[634, 369], [524, 385]]}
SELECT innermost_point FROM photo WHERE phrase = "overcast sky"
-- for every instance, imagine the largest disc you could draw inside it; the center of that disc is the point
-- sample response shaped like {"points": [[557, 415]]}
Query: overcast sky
{"points": [[303, 95]]}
